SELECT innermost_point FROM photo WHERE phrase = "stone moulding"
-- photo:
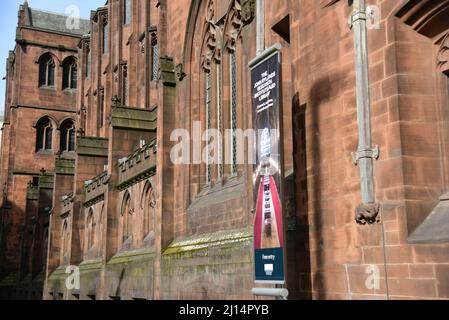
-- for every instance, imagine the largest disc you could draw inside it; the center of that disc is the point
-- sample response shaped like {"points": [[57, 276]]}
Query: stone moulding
{"points": [[133, 118], [24, 42], [327, 3], [94, 201], [141, 177]]}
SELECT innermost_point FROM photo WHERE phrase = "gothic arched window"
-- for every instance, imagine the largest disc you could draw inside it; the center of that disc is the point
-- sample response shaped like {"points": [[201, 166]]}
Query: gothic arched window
{"points": [[105, 42], [88, 60], [67, 136], [127, 12], [154, 57], [46, 71], [69, 74], [208, 104], [233, 115], [44, 134], [125, 85], [101, 108]]}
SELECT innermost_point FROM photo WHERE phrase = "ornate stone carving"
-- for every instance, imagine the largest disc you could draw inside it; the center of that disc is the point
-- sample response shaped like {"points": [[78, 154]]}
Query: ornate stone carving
{"points": [[234, 25], [104, 18], [153, 202], [367, 214], [219, 44], [443, 54], [209, 45], [210, 11], [179, 70], [248, 10]]}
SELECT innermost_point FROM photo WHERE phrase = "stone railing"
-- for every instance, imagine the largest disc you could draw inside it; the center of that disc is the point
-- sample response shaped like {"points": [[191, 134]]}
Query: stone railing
{"points": [[138, 166], [67, 203], [95, 189]]}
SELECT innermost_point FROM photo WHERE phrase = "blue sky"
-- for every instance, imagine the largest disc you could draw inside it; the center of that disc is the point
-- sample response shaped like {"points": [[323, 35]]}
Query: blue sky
{"points": [[8, 23]]}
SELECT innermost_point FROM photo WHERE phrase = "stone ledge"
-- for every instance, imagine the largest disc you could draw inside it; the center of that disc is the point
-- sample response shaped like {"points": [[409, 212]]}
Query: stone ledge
{"points": [[58, 275], [126, 257], [134, 118], [91, 146], [91, 265], [9, 280], [211, 240], [232, 190]]}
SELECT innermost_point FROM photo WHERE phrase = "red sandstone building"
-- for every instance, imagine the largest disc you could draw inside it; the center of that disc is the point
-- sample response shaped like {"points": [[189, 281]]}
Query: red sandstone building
{"points": [[87, 178]]}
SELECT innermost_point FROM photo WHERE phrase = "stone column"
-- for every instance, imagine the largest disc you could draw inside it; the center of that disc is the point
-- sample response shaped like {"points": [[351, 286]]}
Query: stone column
{"points": [[165, 168]]}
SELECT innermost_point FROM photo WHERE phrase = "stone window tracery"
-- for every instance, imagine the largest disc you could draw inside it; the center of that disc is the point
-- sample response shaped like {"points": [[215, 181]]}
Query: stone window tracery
{"points": [[105, 35], [154, 57]]}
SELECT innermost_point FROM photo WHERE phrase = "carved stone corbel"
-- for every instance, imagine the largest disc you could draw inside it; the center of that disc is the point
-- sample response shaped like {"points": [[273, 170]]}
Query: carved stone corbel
{"points": [[367, 214]]}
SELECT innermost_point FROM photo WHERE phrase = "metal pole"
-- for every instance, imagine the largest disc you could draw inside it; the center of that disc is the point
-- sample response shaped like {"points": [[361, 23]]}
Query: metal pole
{"points": [[368, 210], [260, 22]]}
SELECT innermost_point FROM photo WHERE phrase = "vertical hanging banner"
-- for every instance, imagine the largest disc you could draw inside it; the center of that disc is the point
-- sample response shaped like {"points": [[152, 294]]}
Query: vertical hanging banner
{"points": [[267, 171]]}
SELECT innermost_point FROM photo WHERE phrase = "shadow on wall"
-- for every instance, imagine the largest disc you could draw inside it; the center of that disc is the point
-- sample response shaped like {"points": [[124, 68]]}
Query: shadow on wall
{"points": [[298, 262], [10, 226], [321, 91]]}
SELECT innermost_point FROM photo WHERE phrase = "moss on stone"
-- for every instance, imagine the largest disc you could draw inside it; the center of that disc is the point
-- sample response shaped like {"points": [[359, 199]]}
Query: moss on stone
{"points": [[126, 257], [221, 239]]}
